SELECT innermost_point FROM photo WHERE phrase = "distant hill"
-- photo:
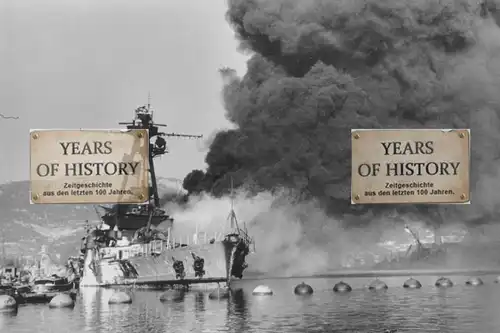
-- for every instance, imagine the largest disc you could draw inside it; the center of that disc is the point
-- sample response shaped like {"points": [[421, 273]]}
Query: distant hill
{"points": [[24, 227]]}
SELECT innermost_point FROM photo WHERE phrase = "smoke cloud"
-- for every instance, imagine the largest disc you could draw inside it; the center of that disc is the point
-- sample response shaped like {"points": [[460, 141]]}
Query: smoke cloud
{"points": [[319, 68], [284, 244]]}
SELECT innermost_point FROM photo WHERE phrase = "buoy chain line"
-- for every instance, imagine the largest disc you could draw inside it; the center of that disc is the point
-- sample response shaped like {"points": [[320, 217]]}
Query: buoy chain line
{"points": [[340, 287], [302, 289]]}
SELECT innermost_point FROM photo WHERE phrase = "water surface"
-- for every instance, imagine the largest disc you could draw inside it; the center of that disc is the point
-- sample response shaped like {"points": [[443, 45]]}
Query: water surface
{"points": [[459, 309]]}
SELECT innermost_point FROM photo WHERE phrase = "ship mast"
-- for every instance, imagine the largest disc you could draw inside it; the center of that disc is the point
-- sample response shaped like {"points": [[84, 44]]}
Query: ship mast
{"points": [[3, 248], [234, 222], [144, 120], [232, 215]]}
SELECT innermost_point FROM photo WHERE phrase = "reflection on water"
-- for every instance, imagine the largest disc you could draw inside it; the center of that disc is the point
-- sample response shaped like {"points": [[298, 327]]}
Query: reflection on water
{"points": [[459, 309], [237, 318]]}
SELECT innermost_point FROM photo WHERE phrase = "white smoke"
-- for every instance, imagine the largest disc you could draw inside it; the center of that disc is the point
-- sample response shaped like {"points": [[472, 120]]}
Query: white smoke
{"points": [[290, 238]]}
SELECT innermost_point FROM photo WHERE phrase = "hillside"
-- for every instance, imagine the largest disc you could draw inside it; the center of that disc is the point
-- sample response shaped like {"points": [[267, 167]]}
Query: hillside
{"points": [[24, 227]]}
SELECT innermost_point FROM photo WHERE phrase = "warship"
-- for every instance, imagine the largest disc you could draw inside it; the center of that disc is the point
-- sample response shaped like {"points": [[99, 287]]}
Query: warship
{"points": [[137, 245], [442, 252]]}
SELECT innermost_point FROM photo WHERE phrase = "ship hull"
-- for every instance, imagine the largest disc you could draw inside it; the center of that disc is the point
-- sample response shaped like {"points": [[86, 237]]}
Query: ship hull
{"points": [[160, 269]]}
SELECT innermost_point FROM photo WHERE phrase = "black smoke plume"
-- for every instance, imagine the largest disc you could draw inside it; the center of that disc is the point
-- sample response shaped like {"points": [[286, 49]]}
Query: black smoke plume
{"points": [[319, 68]]}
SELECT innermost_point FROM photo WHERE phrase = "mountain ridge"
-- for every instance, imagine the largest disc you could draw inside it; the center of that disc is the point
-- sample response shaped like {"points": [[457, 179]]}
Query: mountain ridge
{"points": [[26, 227]]}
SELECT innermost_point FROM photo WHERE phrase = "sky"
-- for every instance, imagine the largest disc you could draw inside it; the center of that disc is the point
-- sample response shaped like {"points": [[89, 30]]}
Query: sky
{"points": [[89, 63]]}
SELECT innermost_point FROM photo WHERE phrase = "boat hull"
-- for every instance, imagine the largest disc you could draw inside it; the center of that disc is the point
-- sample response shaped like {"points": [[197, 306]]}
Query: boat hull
{"points": [[161, 269], [42, 298], [54, 288], [11, 291]]}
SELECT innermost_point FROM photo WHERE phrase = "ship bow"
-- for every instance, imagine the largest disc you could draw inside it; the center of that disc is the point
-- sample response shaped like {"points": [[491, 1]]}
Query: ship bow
{"points": [[236, 249]]}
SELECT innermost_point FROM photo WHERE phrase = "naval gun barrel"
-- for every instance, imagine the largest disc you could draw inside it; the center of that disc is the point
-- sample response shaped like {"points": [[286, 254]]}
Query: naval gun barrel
{"points": [[179, 135]]}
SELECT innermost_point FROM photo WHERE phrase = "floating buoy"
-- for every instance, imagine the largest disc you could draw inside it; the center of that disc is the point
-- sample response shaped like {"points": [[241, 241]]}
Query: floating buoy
{"points": [[303, 289], [120, 297], [377, 285], [7, 303], [342, 287], [443, 282], [61, 301], [174, 295], [474, 281], [412, 283], [262, 291], [497, 279], [220, 293]]}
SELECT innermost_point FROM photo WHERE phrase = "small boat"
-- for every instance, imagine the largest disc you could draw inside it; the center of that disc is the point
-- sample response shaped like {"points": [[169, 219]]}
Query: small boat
{"points": [[7, 289], [11, 291], [42, 298], [22, 289], [44, 289], [52, 284]]}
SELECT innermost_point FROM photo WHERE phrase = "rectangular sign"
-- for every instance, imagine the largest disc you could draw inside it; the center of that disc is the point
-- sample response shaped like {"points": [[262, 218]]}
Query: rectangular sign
{"points": [[89, 166], [410, 166]]}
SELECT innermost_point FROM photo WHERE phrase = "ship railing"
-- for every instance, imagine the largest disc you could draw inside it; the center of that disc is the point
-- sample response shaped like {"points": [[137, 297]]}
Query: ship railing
{"points": [[201, 238], [157, 246], [144, 249], [153, 247], [246, 238]]}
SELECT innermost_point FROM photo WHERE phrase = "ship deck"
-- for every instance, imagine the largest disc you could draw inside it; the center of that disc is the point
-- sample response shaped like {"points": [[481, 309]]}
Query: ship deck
{"points": [[162, 283], [145, 280]]}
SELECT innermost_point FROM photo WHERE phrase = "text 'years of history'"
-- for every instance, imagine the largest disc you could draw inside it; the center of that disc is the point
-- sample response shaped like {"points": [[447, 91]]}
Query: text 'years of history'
{"points": [[410, 166], [111, 168]]}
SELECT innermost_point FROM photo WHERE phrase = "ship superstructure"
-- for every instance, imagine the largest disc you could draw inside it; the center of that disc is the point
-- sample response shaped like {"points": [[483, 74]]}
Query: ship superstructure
{"points": [[135, 244]]}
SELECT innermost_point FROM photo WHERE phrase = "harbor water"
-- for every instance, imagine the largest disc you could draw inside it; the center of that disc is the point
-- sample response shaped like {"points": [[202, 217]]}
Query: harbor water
{"points": [[429, 309]]}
